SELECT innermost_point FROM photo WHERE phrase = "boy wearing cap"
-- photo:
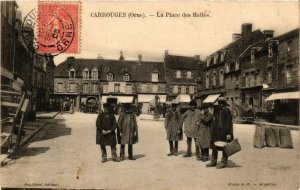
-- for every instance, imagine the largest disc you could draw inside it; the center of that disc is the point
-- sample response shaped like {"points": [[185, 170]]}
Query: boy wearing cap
{"points": [[203, 141], [191, 119], [106, 136], [222, 130], [173, 128], [127, 131]]}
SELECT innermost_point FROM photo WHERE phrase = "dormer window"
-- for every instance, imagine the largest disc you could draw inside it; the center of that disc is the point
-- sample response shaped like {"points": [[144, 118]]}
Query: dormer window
{"points": [[178, 74], [208, 61], [188, 74], [154, 76], [237, 65], [72, 73], [216, 58], [270, 50], [85, 74], [95, 74], [223, 55], [110, 76], [126, 77], [252, 56]]}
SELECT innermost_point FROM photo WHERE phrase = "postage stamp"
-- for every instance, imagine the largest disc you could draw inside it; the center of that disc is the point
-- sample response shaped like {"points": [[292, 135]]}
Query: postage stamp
{"points": [[58, 27]]}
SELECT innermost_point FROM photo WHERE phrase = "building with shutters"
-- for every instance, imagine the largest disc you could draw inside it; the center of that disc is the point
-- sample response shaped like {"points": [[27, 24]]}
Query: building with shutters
{"points": [[84, 80], [183, 75], [221, 73]]}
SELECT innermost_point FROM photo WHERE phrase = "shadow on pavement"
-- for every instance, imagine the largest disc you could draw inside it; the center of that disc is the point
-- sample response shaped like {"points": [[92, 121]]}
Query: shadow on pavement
{"points": [[57, 128], [138, 156], [231, 164], [32, 151]]}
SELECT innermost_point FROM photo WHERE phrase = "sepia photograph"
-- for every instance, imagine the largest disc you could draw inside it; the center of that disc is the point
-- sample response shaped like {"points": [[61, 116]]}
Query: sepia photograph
{"points": [[149, 95]]}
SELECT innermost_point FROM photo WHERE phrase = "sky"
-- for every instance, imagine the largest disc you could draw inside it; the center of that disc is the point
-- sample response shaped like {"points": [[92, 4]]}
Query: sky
{"points": [[152, 35]]}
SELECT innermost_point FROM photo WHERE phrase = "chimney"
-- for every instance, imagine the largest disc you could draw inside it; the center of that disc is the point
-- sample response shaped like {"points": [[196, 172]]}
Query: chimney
{"points": [[246, 35], [268, 33], [166, 53], [99, 56], [236, 37], [70, 61], [140, 59], [121, 56]]}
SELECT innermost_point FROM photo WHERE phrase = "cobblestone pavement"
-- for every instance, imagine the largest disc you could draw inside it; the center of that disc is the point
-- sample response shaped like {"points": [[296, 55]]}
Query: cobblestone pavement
{"points": [[66, 149]]}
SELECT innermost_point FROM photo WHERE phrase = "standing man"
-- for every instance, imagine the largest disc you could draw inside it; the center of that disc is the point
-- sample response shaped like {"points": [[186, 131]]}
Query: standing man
{"points": [[106, 136], [191, 119], [173, 128], [222, 130], [203, 141], [127, 131]]}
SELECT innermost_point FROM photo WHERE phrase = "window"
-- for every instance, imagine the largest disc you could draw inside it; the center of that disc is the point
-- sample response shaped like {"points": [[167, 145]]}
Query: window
{"points": [[237, 65], [117, 87], [214, 80], [85, 74], [191, 89], [223, 55], [289, 45], [208, 61], [252, 56], [189, 74], [154, 88], [183, 89], [175, 89], [288, 74], [207, 80], [95, 88], [105, 88], [270, 50], [216, 58], [269, 76], [126, 77], [221, 77], [128, 89], [3, 8], [178, 74], [42, 81], [85, 87], [60, 87], [144, 87], [110, 76], [155, 77], [95, 74], [72, 87], [72, 74], [227, 68]]}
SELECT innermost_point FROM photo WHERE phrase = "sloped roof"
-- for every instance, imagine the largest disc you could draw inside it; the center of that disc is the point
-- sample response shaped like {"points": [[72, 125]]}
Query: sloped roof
{"points": [[256, 36], [286, 35], [138, 71], [182, 62]]}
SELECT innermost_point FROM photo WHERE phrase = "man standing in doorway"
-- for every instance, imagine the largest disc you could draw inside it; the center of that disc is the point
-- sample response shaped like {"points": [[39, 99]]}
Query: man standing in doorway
{"points": [[191, 119]]}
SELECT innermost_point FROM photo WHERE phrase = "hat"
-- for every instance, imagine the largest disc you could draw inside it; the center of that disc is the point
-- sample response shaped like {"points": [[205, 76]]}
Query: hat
{"points": [[106, 105], [193, 103], [127, 105], [205, 106], [222, 100]]}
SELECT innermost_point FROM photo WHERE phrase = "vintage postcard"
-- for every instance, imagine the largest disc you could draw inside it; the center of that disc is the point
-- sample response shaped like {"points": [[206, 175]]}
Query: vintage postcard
{"points": [[149, 95]]}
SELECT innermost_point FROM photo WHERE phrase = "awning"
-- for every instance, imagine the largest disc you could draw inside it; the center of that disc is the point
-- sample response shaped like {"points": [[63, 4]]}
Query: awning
{"points": [[146, 98], [121, 99], [285, 95], [181, 98], [211, 98]]}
